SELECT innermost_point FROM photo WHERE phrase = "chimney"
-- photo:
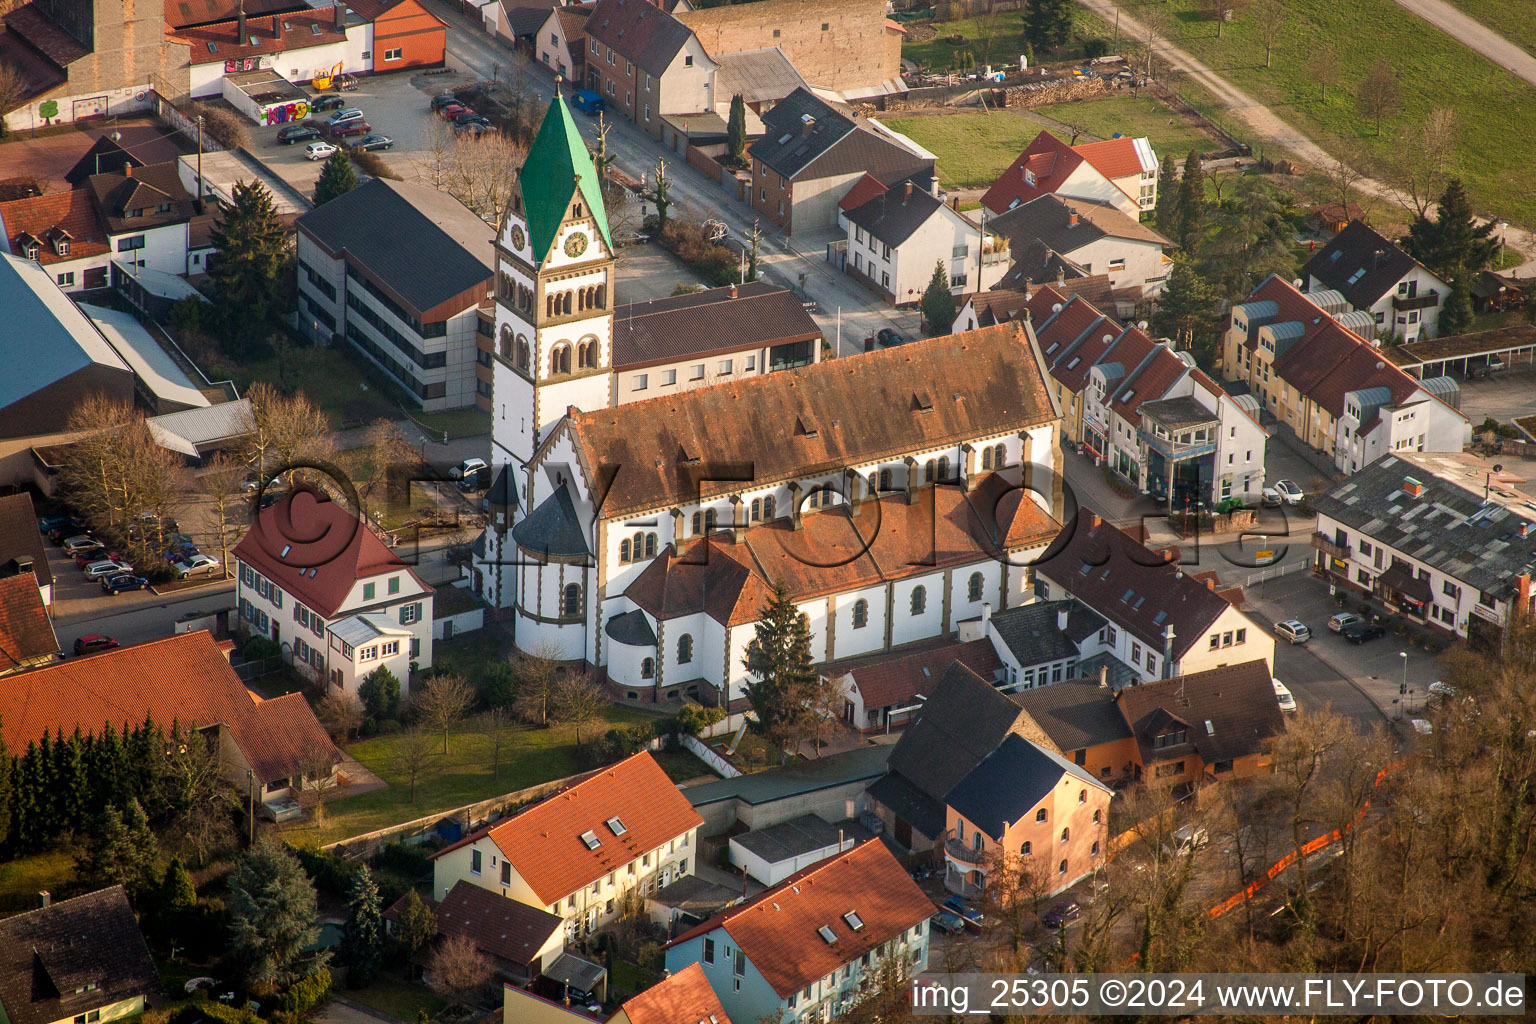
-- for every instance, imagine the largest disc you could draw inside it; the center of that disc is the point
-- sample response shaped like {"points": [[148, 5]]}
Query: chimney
{"points": [[240, 23], [44, 899], [954, 203], [1412, 487], [1103, 676], [1094, 520], [795, 493], [1072, 219], [340, 11], [1210, 584], [986, 614], [1168, 636], [907, 192], [24, 564], [277, 26], [127, 170], [1061, 275], [807, 122], [738, 521], [912, 491], [733, 290], [1062, 615]]}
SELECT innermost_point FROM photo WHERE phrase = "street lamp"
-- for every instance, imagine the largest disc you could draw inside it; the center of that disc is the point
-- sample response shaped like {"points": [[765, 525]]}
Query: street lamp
{"points": [[1402, 687], [1488, 481]]}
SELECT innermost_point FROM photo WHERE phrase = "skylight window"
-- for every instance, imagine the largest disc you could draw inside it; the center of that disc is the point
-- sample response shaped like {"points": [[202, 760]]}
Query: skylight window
{"points": [[1073, 364], [212, 48], [854, 920], [1086, 568], [590, 838], [1357, 275], [829, 936], [287, 548], [1126, 597], [1210, 728], [1159, 617], [314, 28], [616, 826], [1139, 602], [784, 138]]}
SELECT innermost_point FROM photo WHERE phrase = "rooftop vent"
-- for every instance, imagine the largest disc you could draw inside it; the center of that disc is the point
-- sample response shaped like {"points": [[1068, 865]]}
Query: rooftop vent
{"points": [[1412, 487], [590, 838], [921, 402], [1210, 728]]}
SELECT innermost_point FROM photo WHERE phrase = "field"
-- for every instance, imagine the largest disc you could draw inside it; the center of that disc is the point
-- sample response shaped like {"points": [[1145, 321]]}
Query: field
{"points": [[998, 40], [1509, 18], [1434, 71]]}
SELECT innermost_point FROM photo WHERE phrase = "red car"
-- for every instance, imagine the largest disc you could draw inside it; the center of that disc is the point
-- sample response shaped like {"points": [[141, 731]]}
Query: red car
{"points": [[85, 558], [453, 110], [92, 642], [346, 128]]}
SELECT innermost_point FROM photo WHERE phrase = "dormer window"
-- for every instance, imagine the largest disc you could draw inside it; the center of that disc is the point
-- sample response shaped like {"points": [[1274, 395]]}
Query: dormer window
{"points": [[30, 250], [61, 246], [135, 212], [163, 208], [1029, 176]]}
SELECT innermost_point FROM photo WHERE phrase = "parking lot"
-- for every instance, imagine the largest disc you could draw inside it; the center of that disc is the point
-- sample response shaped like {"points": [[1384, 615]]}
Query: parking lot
{"points": [[1505, 395]]}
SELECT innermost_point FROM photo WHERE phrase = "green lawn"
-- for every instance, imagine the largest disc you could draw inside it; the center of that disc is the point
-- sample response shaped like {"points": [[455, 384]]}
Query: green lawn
{"points": [[1134, 116], [397, 999], [338, 383], [1509, 18], [681, 765], [457, 422], [1434, 71], [1006, 39], [22, 879]]}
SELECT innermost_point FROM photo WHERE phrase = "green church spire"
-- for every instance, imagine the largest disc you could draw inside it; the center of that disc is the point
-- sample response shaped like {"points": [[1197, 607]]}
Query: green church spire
{"points": [[558, 164]]}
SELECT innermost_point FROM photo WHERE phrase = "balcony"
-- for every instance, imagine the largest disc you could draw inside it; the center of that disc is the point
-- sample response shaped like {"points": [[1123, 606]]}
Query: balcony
{"points": [[962, 853], [1428, 300], [1328, 546], [1175, 451]]}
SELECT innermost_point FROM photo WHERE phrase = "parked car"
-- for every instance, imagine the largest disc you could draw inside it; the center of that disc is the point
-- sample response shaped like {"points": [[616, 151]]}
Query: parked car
{"points": [[1422, 727], [475, 479], [343, 116], [588, 101], [447, 99], [272, 497], [318, 150], [470, 117], [59, 534], [887, 337], [115, 585], [350, 128], [1339, 621], [1270, 497], [288, 134], [963, 909], [1289, 492], [320, 104], [80, 542], [946, 922], [1283, 696], [368, 143], [106, 567], [1293, 630], [47, 524], [1060, 914], [467, 466], [93, 642], [1361, 632], [453, 110], [472, 129], [195, 565], [1186, 839]]}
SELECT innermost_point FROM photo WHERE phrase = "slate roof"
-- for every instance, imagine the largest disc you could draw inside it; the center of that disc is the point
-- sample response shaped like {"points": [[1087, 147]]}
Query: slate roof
{"points": [[757, 76], [895, 679], [1359, 247], [552, 529], [501, 927], [1009, 782], [1137, 589], [800, 777], [1448, 527], [681, 998], [41, 33], [422, 244], [526, 17], [817, 418], [26, 630], [1049, 219], [963, 721], [895, 214], [143, 189], [49, 957], [184, 678], [1030, 631], [344, 551], [632, 629], [906, 801], [832, 146], [669, 329], [1075, 714], [544, 843], [790, 839], [1229, 712], [72, 211], [557, 159], [639, 30], [20, 537], [778, 929]]}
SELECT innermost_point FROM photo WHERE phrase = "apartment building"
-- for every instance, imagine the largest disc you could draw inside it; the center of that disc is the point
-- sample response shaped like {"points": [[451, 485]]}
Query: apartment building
{"points": [[647, 63], [1376, 276], [1121, 173]]}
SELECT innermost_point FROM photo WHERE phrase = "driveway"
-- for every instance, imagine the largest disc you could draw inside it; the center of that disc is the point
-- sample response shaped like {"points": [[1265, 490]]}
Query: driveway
{"points": [[1504, 396]]}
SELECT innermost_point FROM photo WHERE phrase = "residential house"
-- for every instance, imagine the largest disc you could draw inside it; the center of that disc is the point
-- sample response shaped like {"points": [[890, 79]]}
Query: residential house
{"points": [[1094, 237], [1167, 623], [895, 237], [186, 679], [666, 346], [1003, 303], [1035, 263], [84, 59], [810, 155], [1203, 727], [588, 852], [1307, 365], [682, 996], [21, 544], [561, 41], [850, 49], [520, 1006], [761, 77], [1376, 276], [342, 604], [133, 146], [1121, 173], [400, 271], [886, 690], [1446, 539], [523, 23], [803, 948], [519, 940], [82, 959], [967, 777], [647, 64], [27, 639], [61, 232], [148, 216], [1493, 292]]}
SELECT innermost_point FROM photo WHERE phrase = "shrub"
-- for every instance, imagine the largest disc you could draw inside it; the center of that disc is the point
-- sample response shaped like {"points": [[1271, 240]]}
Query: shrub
{"points": [[223, 125], [687, 288], [691, 244], [259, 648], [1095, 46], [389, 727], [411, 860], [693, 719], [372, 164], [212, 1010], [329, 871], [306, 994]]}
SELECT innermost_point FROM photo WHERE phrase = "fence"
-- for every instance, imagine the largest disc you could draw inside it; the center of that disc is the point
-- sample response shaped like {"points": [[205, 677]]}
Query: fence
{"points": [[1275, 572], [709, 757]]}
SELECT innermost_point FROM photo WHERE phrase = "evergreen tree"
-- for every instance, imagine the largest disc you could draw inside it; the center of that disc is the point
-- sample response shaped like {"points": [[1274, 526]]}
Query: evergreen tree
{"points": [[779, 659], [1191, 204], [416, 926], [362, 945], [251, 248], [1453, 240], [32, 826], [938, 304], [337, 177], [736, 129], [380, 694], [175, 903], [1048, 23], [1186, 309], [47, 776], [7, 795], [1456, 312], [120, 850], [74, 786], [272, 902], [1166, 213]]}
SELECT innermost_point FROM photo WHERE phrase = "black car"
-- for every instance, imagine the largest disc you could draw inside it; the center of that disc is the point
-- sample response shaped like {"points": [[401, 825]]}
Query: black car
{"points": [[470, 117], [1360, 632], [324, 103], [291, 133], [887, 337], [445, 100], [472, 129]]}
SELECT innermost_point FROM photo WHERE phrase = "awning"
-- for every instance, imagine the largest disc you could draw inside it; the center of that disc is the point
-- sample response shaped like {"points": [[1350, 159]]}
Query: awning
{"points": [[1402, 582]]}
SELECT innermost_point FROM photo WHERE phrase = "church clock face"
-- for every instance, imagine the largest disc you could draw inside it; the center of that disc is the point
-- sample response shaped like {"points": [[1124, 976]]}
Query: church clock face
{"points": [[575, 244], [518, 238]]}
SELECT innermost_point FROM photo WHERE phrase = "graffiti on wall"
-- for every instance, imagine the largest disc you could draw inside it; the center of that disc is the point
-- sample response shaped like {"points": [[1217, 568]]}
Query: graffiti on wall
{"points": [[282, 113]]}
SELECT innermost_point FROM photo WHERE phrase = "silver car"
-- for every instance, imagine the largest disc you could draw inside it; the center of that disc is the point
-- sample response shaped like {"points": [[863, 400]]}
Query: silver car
{"points": [[1293, 630]]}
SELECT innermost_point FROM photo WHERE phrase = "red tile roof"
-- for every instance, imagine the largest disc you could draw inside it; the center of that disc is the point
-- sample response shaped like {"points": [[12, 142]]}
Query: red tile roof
{"points": [[295, 38], [73, 211], [778, 930], [344, 550], [681, 998], [185, 678], [26, 631], [544, 842], [1049, 160], [892, 680], [863, 190], [1163, 371], [1114, 158]]}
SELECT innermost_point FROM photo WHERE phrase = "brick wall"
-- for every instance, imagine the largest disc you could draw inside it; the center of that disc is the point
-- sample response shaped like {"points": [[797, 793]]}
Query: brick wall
{"points": [[852, 52]]}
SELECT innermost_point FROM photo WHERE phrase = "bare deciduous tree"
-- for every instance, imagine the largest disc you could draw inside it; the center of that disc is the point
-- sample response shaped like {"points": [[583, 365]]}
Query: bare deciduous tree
{"points": [[13, 86], [458, 971], [284, 429], [1418, 167], [478, 171], [221, 483], [119, 477], [416, 757], [497, 727], [1017, 887], [579, 700], [442, 702], [316, 772], [1324, 67], [341, 713], [387, 456], [1222, 11], [1269, 19], [1379, 96], [536, 684]]}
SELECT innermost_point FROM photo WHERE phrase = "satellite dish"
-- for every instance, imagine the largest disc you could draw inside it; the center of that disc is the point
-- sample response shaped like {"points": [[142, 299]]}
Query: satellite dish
{"points": [[1296, 283], [1380, 365], [1108, 338], [1056, 308], [1142, 324]]}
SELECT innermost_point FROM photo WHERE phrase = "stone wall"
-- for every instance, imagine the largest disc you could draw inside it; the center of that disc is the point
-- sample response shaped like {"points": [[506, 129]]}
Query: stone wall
{"points": [[841, 45]]}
